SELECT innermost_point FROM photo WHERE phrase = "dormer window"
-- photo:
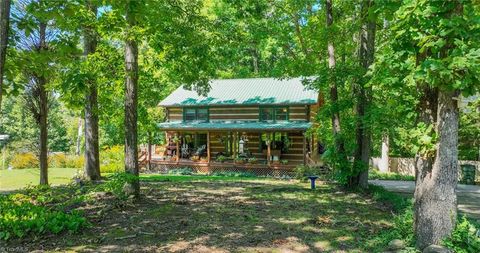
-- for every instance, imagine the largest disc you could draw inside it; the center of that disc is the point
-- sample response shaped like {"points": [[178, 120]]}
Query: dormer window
{"points": [[272, 114], [195, 114]]}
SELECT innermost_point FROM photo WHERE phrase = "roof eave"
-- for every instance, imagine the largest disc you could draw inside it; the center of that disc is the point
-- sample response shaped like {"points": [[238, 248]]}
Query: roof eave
{"points": [[224, 105]]}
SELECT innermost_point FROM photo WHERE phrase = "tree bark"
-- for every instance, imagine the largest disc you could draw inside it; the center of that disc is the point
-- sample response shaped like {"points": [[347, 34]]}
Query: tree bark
{"points": [[4, 27], [43, 113], [92, 160], [435, 191], [131, 83], [339, 143], [43, 123], [79, 136], [364, 97]]}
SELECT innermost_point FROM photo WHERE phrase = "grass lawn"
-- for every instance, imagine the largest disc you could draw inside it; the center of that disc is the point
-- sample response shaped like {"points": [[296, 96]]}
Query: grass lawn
{"points": [[222, 214], [19, 178]]}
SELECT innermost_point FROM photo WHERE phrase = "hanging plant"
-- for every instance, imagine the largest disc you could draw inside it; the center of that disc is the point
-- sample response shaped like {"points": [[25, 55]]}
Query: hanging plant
{"points": [[176, 139]]}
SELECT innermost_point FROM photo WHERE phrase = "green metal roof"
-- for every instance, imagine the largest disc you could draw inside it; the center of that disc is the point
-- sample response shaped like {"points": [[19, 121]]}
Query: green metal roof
{"points": [[243, 126], [250, 91]]}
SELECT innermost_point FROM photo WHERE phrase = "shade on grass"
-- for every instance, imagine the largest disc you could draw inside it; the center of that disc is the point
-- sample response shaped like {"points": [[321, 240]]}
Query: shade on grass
{"points": [[19, 178]]}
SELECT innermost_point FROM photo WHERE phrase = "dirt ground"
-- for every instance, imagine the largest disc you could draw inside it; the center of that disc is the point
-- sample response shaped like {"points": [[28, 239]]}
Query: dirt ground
{"points": [[224, 216]]}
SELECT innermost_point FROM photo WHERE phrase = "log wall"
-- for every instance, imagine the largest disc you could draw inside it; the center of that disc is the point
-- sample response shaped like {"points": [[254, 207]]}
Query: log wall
{"points": [[240, 113]]}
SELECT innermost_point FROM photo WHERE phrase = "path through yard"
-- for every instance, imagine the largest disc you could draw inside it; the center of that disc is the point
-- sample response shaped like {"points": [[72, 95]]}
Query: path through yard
{"points": [[468, 195], [231, 216]]}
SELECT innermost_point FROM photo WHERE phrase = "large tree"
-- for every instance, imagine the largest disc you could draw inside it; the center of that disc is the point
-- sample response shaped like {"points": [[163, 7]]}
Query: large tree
{"points": [[131, 86], [90, 38], [364, 95], [434, 50], [4, 27], [332, 82]]}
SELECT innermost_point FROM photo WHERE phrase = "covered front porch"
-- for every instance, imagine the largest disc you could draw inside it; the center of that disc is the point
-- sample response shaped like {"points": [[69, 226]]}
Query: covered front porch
{"points": [[233, 146]]}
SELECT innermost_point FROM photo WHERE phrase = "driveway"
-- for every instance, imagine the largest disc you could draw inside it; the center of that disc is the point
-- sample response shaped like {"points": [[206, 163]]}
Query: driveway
{"points": [[468, 195]]}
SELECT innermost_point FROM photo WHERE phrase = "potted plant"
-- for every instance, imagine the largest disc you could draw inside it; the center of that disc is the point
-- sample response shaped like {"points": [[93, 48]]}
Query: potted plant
{"points": [[239, 160], [221, 158], [195, 158], [252, 160], [275, 160], [203, 159], [284, 162]]}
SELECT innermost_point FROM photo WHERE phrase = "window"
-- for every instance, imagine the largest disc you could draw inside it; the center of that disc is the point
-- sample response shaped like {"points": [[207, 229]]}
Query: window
{"points": [[202, 114], [281, 113], [273, 113], [266, 114], [190, 114], [195, 114]]}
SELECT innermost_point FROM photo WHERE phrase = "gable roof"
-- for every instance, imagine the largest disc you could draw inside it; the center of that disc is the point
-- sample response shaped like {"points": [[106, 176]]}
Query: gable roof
{"points": [[250, 91]]}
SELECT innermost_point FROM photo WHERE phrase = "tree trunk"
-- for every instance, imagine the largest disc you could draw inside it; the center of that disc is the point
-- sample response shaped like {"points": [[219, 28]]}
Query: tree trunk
{"points": [[364, 97], [92, 160], [339, 143], [79, 136], [43, 112], [435, 191], [255, 59], [131, 80], [149, 150], [4, 23], [384, 161]]}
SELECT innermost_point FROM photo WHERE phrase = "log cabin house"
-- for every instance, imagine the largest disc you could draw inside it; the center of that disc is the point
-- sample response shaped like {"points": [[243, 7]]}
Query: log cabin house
{"points": [[257, 125]]}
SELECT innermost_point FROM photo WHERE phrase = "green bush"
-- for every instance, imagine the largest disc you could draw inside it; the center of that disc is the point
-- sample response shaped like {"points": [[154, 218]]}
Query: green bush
{"points": [[24, 161], [374, 174], [182, 171], [116, 182], [464, 238], [20, 217], [112, 160]]}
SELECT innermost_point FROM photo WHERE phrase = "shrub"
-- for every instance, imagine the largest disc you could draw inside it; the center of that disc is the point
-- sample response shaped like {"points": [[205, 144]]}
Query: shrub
{"points": [[24, 161], [61, 160], [74, 161], [57, 160], [20, 217], [374, 174], [182, 171], [112, 160], [116, 182], [464, 238], [221, 158]]}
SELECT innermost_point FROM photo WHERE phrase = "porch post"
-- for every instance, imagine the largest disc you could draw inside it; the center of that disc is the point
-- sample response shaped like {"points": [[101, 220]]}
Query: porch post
{"points": [[177, 153], [208, 147], [234, 145], [269, 153], [304, 148]]}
